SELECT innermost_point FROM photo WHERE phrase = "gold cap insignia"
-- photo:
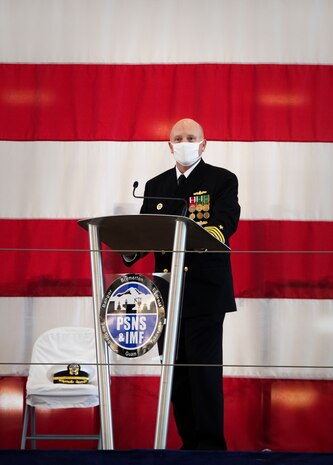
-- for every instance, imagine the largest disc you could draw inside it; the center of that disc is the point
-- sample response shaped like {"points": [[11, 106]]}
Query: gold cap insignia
{"points": [[159, 206], [73, 375]]}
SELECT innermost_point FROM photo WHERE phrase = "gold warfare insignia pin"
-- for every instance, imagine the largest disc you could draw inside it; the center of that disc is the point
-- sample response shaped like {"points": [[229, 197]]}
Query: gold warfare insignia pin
{"points": [[159, 206], [199, 205]]}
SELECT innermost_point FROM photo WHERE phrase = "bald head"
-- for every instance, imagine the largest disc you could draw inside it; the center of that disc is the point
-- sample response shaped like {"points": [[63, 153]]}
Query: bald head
{"points": [[186, 130]]}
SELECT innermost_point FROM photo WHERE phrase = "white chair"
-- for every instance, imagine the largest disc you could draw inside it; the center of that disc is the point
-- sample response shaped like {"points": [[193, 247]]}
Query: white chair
{"points": [[52, 352]]}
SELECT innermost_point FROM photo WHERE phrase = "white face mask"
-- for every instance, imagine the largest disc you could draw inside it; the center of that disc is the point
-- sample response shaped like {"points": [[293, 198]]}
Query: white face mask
{"points": [[186, 153]]}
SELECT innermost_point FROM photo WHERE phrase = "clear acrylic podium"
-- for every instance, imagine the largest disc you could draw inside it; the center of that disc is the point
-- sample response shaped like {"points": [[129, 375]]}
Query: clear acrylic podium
{"points": [[144, 233]]}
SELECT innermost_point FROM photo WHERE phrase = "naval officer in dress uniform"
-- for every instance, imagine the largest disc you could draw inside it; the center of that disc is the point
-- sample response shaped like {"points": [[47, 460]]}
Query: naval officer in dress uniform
{"points": [[211, 194]]}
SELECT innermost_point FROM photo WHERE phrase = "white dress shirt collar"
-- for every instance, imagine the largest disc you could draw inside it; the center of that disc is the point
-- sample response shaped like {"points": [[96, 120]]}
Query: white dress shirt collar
{"points": [[189, 171]]}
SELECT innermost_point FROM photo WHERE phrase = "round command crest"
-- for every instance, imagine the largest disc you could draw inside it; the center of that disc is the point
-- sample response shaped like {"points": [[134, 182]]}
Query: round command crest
{"points": [[132, 315]]}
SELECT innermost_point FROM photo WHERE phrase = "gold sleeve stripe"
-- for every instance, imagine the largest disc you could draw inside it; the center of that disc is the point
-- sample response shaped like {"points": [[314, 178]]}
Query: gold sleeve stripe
{"points": [[214, 231]]}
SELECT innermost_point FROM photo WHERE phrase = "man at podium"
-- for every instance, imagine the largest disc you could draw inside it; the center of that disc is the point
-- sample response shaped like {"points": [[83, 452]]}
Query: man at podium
{"points": [[211, 194]]}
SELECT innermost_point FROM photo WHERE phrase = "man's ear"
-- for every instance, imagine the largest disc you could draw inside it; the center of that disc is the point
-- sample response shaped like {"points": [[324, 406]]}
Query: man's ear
{"points": [[203, 146], [171, 147]]}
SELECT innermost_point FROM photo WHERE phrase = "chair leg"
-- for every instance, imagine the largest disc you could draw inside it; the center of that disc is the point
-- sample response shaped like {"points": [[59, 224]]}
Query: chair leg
{"points": [[33, 426], [30, 415], [25, 426]]}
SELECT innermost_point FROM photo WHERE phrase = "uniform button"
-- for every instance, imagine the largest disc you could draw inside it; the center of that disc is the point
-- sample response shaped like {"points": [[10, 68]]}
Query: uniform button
{"points": [[185, 269]]}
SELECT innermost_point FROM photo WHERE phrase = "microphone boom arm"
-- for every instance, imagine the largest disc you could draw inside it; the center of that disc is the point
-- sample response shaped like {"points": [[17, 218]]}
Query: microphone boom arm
{"points": [[136, 184]]}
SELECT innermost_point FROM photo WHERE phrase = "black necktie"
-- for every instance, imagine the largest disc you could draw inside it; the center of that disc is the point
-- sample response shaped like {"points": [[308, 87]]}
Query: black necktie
{"points": [[181, 180]]}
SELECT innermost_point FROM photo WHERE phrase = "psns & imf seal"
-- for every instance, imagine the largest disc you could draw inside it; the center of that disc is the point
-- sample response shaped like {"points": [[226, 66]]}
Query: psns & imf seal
{"points": [[132, 315]]}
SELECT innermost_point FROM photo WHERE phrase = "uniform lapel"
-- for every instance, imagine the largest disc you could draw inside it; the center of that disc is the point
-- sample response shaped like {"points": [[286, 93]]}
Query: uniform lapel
{"points": [[166, 188], [192, 184]]}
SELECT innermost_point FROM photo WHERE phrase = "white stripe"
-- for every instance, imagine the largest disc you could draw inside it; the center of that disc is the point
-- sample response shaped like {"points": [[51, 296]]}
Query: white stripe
{"points": [[23, 319], [287, 336], [288, 181], [172, 31], [265, 338]]}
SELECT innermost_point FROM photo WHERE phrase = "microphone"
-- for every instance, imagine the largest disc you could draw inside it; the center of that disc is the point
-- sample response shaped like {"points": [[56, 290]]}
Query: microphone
{"points": [[136, 184]]}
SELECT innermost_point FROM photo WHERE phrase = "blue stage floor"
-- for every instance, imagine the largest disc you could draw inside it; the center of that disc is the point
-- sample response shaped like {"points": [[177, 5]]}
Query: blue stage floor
{"points": [[164, 457]]}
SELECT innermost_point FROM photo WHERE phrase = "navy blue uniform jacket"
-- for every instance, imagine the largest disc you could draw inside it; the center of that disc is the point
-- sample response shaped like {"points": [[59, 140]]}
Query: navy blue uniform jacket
{"points": [[208, 283]]}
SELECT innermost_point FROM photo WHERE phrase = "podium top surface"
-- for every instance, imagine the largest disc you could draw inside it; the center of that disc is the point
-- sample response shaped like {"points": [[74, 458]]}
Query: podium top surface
{"points": [[150, 232]]}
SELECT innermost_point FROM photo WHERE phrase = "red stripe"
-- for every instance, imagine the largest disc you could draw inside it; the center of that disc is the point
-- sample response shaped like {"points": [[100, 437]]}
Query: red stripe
{"points": [[140, 102], [281, 415], [298, 262], [257, 275]]}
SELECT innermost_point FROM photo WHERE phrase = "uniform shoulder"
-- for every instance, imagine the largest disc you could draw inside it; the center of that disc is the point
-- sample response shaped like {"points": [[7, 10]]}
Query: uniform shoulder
{"points": [[219, 171]]}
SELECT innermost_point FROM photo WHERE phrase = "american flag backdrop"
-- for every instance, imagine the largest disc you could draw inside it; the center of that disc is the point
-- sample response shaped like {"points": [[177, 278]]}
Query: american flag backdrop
{"points": [[88, 93]]}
